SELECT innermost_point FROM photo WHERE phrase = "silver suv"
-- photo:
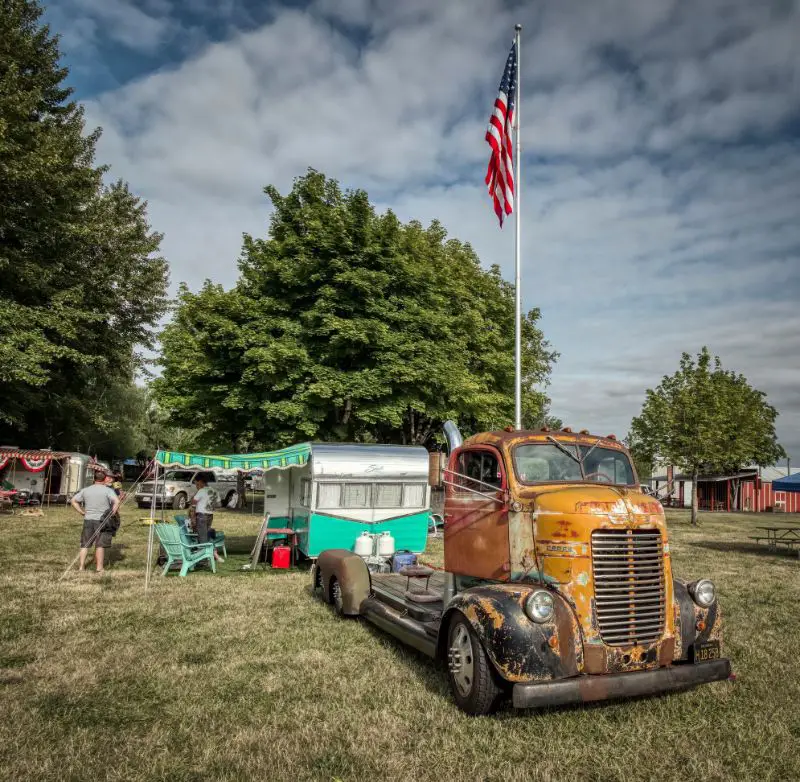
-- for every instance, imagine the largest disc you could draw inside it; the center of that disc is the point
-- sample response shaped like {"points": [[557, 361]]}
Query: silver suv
{"points": [[176, 488]]}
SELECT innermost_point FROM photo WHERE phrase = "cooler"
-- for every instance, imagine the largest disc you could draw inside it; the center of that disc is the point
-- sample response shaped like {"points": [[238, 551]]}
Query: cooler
{"points": [[401, 560]]}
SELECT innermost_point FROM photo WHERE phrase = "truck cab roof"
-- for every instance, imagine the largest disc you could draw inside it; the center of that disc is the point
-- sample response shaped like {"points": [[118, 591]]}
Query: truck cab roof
{"points": [[508, 439]]}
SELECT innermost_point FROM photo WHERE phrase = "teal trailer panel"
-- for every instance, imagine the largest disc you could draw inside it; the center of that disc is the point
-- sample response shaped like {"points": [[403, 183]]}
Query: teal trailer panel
{"points": [[322, 532]]}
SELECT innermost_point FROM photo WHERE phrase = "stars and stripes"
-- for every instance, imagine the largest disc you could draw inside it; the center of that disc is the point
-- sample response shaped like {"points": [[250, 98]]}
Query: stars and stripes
{"points": [[500, 174]]}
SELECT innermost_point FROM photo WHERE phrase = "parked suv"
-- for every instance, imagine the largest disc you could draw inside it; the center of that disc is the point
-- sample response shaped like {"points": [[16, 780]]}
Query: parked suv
{"points": [[176, 488]]}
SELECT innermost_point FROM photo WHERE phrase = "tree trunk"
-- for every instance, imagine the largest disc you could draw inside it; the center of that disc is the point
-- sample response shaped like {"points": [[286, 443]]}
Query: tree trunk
{"points": [[695, 473]]}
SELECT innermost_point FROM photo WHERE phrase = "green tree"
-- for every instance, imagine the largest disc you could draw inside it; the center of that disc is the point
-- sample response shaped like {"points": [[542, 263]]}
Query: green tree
{"points": [[82, 281], [706, 419], [348, 325]]}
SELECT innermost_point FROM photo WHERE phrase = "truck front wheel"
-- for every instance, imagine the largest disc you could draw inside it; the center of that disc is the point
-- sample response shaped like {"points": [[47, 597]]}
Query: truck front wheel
{"points": [[472, 680]]}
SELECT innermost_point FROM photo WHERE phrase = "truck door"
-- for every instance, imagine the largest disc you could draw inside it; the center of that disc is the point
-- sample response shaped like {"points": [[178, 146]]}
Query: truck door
{"points": [[476, 514]]}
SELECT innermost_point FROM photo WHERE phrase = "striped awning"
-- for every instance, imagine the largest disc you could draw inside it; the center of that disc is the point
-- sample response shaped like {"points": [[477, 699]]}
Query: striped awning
{"points": [[31, 454], [294, 456]]}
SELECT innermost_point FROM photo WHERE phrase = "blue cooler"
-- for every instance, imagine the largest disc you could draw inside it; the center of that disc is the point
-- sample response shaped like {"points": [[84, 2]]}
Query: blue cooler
{"points": [[404, 559]]}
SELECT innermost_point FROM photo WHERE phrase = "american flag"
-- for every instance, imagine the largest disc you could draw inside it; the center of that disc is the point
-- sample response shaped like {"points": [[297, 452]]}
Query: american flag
{"points": [[500, 174]]}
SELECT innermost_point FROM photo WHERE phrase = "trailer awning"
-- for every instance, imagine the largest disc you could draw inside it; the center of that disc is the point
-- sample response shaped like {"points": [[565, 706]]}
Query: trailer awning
{"points": [[294, 456]]}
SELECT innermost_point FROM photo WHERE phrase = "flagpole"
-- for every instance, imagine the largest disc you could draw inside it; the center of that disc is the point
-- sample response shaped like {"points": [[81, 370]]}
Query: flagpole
{"points": [[517, 276]]}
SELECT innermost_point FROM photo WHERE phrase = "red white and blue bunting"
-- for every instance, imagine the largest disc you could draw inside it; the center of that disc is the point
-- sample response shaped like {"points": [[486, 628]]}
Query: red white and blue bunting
{"points": [[33, 464]]}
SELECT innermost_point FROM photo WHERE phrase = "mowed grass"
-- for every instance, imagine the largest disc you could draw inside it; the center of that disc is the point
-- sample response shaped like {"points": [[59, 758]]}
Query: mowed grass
{"points": [[244, 675]]}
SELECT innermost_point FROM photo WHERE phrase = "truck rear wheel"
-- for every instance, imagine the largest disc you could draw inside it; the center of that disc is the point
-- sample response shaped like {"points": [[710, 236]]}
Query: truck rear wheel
{"points": [[316, 581], [336, 596], [472, 680]]}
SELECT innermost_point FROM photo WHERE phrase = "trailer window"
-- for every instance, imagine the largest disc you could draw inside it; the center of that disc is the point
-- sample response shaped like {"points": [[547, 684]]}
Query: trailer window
{"points": [[355, 495], [413, 495], [329, 495], [388, 495]]}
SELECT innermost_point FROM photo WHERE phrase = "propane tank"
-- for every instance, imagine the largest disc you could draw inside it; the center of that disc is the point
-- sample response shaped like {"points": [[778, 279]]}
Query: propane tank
{"points": [[363, 546], [385, 544]]}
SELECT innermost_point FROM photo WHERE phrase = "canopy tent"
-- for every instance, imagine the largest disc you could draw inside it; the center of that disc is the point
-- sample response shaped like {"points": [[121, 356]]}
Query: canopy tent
{"points": [[294, 456], [787, 483]]}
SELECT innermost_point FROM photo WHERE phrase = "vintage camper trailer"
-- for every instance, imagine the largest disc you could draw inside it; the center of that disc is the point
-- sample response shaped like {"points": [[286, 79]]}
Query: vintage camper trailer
{"points": [[344, 490], [52, 476]]}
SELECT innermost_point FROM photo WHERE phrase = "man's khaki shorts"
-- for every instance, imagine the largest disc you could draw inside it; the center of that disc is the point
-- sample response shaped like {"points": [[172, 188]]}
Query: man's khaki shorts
{"points": [[90, 526]]}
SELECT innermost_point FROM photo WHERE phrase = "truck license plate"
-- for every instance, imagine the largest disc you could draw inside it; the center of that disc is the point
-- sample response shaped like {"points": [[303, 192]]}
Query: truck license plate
{"points": [[145, 498], [706, 651]]}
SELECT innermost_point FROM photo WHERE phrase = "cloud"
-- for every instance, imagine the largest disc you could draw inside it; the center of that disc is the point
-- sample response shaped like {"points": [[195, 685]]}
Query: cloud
{"points": [[139, 26], [661, 177]]}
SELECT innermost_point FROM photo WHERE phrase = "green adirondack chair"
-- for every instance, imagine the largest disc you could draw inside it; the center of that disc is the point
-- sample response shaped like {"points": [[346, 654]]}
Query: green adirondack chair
{"points": [[178, 551], [190, 538]]}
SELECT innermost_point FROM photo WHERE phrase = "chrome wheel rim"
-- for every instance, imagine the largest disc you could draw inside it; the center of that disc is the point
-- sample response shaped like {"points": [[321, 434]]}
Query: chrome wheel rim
{"points": [[460, 661], [336, 593]]}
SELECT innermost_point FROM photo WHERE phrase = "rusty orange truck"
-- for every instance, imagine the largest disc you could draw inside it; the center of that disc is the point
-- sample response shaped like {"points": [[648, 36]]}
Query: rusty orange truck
{"points": [[557, 585]]}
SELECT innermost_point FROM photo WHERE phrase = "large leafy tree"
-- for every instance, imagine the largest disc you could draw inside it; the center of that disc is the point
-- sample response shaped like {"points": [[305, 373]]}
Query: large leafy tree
{"points": [[706, 419], [81, 281], [348, 325]]}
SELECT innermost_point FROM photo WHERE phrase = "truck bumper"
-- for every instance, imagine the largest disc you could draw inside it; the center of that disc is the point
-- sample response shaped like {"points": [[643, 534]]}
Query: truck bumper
{"points": [[584, 689]]}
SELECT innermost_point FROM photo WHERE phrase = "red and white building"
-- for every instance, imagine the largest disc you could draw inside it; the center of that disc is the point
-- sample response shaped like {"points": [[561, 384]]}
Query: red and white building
{"points": [[747, 490]]}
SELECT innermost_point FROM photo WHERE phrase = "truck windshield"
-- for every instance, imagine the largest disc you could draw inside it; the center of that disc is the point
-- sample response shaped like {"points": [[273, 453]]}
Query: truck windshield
{"points": [[547, 462], [178, 476]]}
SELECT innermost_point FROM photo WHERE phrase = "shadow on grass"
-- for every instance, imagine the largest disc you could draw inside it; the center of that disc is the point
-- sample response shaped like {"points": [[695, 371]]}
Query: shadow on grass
{"points": [[743, 547], [115, 553], [432, 674]]}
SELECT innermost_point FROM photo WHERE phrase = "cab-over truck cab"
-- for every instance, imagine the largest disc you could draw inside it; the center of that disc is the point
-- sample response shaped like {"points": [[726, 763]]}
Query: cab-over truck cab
{"points": [[557, 586]]}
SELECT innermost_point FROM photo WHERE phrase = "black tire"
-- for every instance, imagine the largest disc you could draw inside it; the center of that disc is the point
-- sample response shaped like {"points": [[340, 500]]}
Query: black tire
{"points": [[472, 679], [179, 501], [336, 596], [316, 582], [228, 496]]}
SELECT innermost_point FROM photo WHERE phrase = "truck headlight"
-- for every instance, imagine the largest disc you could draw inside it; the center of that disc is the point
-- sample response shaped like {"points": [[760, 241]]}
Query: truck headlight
{"points": [[539, 606], [703, 592]]}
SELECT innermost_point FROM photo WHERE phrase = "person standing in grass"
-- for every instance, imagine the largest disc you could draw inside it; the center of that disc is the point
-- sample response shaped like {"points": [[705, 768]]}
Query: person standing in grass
{"points": [[202, 510], [99, 502]]}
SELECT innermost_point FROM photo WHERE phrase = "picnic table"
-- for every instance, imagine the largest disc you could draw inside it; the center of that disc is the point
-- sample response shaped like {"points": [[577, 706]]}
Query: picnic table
{"points": [[779, 536]]}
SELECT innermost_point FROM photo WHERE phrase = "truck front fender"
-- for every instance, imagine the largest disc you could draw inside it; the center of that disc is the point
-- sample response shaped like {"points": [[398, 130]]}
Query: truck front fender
{"points": [[352, 574], [690, 617], [520, 650]]}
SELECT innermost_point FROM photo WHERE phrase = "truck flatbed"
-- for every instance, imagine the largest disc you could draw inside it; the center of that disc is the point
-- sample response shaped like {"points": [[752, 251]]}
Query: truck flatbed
{"points": [[392, 587], [389, 607]]}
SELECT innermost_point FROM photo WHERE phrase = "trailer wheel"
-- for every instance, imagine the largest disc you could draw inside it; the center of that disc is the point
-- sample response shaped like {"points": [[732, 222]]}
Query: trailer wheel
{"points": [[472, 680], [336, 596]]}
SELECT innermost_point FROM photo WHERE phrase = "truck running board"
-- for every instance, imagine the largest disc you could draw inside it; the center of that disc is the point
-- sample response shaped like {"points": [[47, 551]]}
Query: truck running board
{"points": [[405, 629]]}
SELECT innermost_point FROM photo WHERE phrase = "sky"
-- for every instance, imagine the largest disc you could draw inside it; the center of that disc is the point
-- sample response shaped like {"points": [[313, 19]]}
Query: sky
{"points": [[660, 173]]}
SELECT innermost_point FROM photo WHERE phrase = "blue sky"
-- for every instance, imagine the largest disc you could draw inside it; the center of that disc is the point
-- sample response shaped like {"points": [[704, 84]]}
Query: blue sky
{"points": [[661, 156]]}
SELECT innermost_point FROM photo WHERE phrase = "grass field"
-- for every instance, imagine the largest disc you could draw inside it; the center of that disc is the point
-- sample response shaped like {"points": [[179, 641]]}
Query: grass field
{"points": [[245, 675]]}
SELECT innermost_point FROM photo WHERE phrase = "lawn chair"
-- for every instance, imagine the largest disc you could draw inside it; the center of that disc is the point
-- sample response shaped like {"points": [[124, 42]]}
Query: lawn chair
{"points": [[190, 538], [177, 551]]}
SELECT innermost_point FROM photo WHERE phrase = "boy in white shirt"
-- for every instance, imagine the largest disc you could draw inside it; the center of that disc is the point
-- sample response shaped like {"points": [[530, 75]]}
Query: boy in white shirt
{"points": [[202, 510]]}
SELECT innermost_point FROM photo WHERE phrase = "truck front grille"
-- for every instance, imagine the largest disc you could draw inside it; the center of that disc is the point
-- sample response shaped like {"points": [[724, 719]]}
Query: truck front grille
{"points": [[628, 569]]}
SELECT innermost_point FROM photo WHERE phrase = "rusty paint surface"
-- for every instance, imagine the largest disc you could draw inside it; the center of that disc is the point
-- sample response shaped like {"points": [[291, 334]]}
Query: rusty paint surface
{"points": [[547, 540], [520, 649]]}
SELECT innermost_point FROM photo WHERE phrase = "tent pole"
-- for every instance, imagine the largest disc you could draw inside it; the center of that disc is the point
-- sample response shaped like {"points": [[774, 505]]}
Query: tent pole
{"points": [[152, 523]]}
